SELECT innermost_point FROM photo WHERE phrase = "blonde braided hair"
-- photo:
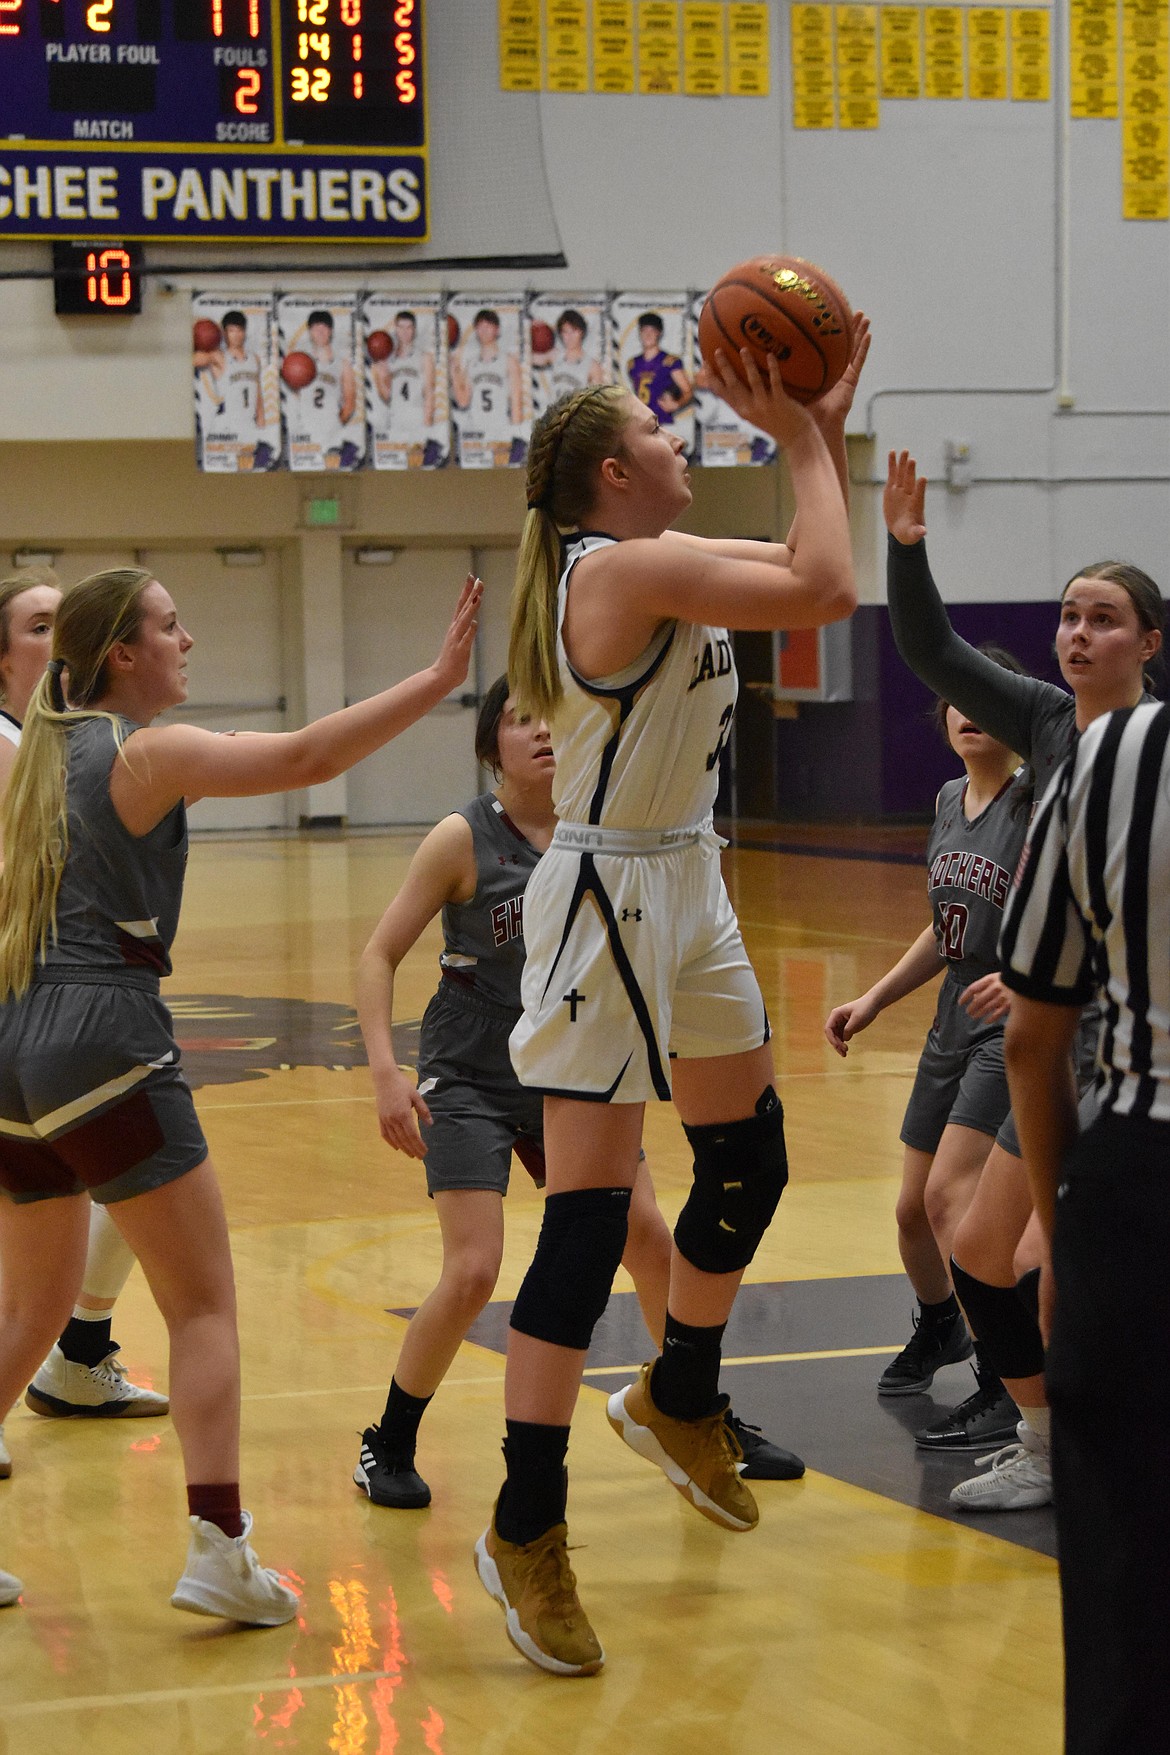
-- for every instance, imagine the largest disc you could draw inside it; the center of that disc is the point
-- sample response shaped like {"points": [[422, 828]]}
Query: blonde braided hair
{"points": [[569, 441]]}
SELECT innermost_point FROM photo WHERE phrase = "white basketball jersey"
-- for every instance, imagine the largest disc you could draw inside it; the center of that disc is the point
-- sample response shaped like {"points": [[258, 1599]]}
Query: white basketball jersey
{"points": [[404, 411], [490, 409], [320, 407], [239, 392], [565, 376], [640, 750]]}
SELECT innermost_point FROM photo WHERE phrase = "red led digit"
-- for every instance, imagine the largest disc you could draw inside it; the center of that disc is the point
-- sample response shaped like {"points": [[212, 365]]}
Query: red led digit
{"points": [[217, 18], [356, 45], [12, 7], [358, 85], [247, 91], [119, 260], [351, 12], [253, 18], [91, 286]]}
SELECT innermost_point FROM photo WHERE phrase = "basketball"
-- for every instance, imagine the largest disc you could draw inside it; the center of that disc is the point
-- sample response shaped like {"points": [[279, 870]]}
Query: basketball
{"points": [[298, 370], [543, 339], [786, 307], [379, 345], [452, 331], [205, 335]]}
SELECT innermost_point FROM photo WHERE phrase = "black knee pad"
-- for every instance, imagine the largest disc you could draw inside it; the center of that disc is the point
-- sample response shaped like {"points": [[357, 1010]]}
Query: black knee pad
{"points": [[567, 1287], [1028, 1291], [1007, 1331], [741, 1168]]}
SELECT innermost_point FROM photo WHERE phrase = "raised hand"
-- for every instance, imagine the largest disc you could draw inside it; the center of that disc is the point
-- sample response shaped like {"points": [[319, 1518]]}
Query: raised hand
{"points": [[454, 660], [755, 398], [832, 408], [904, 499]]}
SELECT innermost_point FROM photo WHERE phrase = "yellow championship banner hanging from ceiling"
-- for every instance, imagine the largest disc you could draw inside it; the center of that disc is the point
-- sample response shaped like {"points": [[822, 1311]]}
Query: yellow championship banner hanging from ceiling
{"points": [[944, 51], [1031, 55], [987, 52], [1145, 112], [659, 64], [857, 66], [613, 46], [704, 48], [747, 49], [813, 80], [901, 44], [566, 45], [519, 45], [1093, 59]]}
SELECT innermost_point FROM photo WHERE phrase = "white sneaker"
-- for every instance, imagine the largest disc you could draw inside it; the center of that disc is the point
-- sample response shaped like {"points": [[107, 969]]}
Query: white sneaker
{"points": [[223, 1577], [1019, 1478], [5, 1459], [10, 1589], [62, 1388]]}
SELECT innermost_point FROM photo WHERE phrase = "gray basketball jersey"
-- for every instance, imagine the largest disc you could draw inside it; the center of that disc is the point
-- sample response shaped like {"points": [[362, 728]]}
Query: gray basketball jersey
{"points": [[970, 867], [118, 905], [483, 939]]}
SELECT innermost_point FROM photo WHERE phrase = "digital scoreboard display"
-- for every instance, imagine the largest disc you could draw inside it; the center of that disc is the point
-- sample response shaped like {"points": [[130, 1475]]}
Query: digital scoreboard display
{"points": [[214, 119]]}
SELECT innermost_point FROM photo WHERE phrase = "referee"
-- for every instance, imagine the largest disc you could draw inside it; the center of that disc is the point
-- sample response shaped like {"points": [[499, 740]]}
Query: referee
{"points": [[1092, 909]]}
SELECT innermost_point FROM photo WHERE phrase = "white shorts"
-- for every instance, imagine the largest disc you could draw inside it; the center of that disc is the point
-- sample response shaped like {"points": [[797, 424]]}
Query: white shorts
{"points": [[634, 957]]}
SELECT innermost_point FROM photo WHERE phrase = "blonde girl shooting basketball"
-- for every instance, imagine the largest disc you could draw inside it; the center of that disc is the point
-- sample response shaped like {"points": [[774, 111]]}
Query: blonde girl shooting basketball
{"points": [[636, 979], [91, 1098]]}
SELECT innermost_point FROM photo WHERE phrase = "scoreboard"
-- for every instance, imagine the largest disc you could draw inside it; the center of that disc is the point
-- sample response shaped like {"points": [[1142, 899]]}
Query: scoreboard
{"points": [[213, 119]]}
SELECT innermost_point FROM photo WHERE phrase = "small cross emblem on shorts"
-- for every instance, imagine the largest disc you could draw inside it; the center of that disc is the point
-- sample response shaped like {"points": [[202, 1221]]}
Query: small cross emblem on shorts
{"points": [[573, 1000]]}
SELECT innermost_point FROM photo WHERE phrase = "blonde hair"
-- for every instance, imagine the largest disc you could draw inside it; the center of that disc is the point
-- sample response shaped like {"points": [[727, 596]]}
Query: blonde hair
{"points": [[14, 585], [569, 442], [94, 616]]}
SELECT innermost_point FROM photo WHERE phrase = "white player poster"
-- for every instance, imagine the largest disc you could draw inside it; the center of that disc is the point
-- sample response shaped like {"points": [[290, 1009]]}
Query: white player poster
{"points": [[322, 392], [407, 405], [567, 332], [651, 348], [237, 395], [724, 439], [490, 376]]}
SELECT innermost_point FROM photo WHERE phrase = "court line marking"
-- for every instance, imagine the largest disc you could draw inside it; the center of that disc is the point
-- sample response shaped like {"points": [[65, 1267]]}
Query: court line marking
{"points": [[215, 1690], [286, 1395]]}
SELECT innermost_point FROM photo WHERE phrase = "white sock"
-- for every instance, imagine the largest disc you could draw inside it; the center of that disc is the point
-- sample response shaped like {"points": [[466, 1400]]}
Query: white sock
{"points": [[108, 1262], [1039, 1423]]}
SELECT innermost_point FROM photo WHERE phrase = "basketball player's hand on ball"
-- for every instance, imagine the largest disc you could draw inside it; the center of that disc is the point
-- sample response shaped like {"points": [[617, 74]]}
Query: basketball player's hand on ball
{"points": [[829, 411], [757, 397], [400, 1111], [846, 1021], [454, 660], [987, 1000], [904, 501]]}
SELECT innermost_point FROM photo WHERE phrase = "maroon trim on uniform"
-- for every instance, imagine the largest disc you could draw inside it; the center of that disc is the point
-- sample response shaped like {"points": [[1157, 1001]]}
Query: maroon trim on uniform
{"points": [[509, 824], [458, 979], [142, 952], [32, 1167], [531, 1155], [113, 1142]]}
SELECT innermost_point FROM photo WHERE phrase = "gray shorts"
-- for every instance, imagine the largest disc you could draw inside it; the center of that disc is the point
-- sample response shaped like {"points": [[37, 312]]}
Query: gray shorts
{"points": [[959, 1087], [481, 1113], [1085, 1069], [91, 1096]]}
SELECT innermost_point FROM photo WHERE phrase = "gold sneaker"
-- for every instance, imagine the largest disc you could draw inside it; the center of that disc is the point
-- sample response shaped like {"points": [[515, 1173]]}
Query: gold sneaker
{"points": [[699, 1457], [534, 1585]]}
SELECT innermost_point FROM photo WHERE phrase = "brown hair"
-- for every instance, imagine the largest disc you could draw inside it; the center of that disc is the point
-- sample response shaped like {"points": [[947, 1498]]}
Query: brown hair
{"points": [[487, 726], [1148, 603]]}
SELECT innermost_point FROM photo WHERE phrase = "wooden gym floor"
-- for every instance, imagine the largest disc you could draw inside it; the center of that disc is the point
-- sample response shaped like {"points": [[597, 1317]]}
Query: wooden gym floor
{"points": [[861, 1616]]}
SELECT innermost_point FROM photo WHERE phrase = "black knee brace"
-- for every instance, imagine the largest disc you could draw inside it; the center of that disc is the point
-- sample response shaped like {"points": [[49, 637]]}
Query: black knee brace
{"points": [[741, 1168], [1006, 1330], [1028, 1291], [567, 1286]]}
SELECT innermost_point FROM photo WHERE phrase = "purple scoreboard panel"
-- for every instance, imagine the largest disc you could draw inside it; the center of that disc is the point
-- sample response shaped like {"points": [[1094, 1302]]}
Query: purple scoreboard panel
{"points": [[213, 119]]}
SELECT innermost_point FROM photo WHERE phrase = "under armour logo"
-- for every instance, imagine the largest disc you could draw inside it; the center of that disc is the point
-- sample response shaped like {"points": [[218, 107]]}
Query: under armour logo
{"points": [[573, 1000], [631, 914]]}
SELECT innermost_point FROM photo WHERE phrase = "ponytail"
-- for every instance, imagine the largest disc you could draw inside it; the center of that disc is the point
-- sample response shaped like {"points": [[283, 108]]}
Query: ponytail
{"points": [[102, 611], [569, 442]]}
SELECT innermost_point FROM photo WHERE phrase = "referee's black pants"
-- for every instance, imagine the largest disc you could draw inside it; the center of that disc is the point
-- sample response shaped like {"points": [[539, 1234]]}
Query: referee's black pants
{"points": [[1108, 1370]]}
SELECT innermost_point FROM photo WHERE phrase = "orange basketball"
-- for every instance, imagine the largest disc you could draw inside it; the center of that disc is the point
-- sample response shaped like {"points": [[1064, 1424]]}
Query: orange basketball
{"points": [[205, 335], [379, 345], [452, 330], [786, 307], [543, 339], [298, 370]]}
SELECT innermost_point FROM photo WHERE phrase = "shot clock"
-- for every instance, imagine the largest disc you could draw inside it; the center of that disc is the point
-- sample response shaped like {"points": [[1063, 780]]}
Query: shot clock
{"points": [[99, 279], [216, 119]]}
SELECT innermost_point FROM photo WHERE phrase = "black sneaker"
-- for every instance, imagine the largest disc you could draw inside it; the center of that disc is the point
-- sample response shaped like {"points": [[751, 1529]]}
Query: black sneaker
{"points": [[387, 1479], [933, 1345], [984, 1421], [762, 1460]]}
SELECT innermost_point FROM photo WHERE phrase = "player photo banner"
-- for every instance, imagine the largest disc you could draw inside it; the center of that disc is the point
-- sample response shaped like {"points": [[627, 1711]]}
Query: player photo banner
{"points": [[489, 371], [322, 383], [724, 439], [567, 334], [237, 387], [651, 347], [407, 406]]}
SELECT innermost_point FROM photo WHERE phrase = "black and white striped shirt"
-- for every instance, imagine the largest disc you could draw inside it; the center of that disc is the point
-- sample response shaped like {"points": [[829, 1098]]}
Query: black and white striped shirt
{"points": [[1091, 906]]}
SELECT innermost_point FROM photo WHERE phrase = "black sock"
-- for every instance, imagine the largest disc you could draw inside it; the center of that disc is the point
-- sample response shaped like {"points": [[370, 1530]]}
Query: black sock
{"points": [[990, 1382], [685, 1381], [399, 1422], [533, 1496], [86, 1343], [940, 1314]]}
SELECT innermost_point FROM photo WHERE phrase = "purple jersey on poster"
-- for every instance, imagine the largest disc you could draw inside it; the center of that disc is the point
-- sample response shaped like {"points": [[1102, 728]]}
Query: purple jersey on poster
{"points": [[653, 379]]}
